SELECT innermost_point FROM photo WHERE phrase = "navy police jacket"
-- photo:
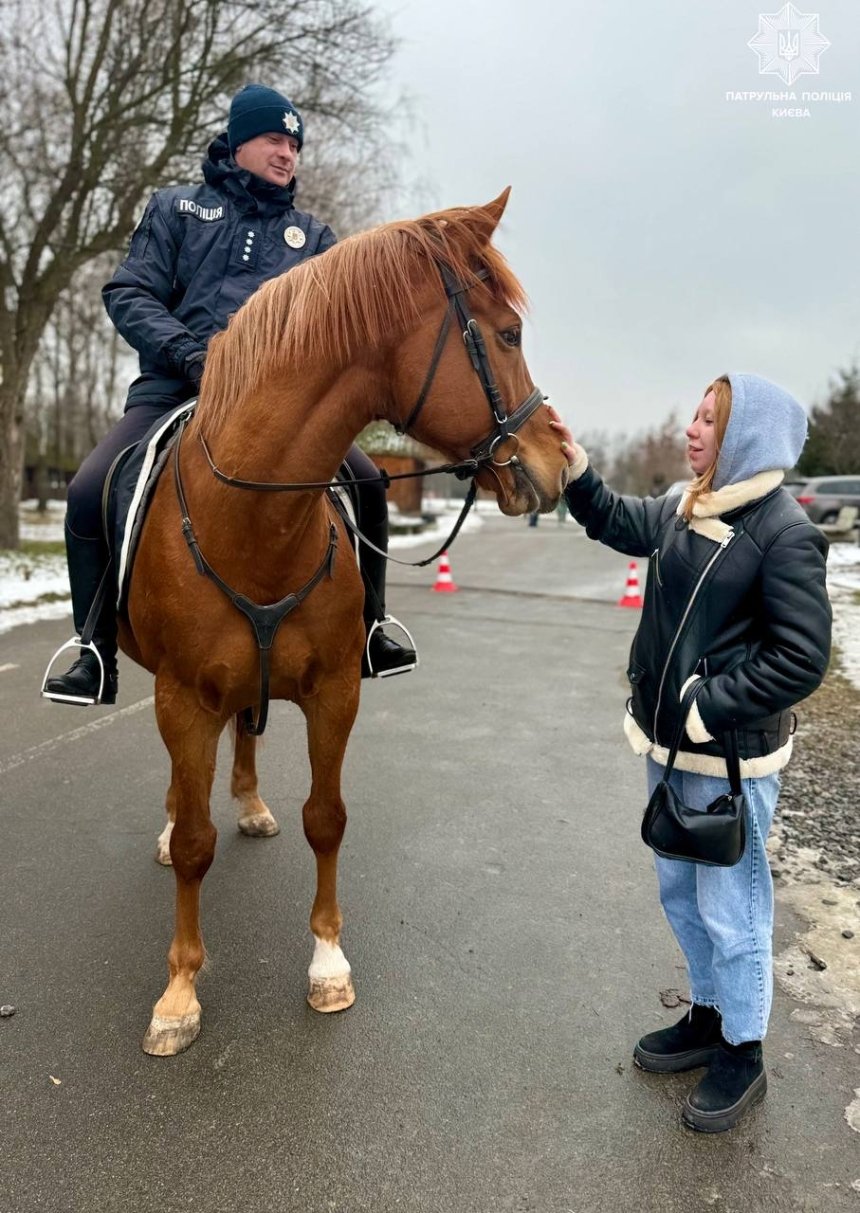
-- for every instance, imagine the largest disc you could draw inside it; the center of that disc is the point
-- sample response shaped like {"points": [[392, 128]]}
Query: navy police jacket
{"points": [[196, 256]]}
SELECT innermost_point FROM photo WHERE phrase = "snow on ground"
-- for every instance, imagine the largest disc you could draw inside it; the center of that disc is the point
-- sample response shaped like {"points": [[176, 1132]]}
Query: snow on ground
{"points": [[35, 586], [843, 581]]}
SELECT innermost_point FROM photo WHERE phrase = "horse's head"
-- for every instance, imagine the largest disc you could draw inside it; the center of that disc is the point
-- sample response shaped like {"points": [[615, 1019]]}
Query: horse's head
{"points": [[459, 380]]}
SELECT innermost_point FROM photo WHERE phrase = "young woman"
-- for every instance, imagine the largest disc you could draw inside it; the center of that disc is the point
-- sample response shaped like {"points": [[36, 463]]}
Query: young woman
{"points": [[735, 596]]}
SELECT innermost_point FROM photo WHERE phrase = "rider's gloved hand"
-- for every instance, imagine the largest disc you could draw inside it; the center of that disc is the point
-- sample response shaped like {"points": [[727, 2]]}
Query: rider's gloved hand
{"points": [[193, 367]]}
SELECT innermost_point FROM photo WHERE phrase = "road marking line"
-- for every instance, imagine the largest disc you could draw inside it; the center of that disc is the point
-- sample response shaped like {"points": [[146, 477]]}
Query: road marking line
{"points": [[45, 747], [8, 666]]}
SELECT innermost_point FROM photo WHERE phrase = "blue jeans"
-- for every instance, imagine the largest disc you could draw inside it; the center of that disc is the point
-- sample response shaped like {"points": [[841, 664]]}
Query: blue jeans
{"points": [[722, 918]]}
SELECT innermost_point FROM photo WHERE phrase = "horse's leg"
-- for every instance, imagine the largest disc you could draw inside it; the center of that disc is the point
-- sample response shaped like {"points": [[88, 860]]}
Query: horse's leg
{"points": [[255, 817], [330, 716], [191, 736]]}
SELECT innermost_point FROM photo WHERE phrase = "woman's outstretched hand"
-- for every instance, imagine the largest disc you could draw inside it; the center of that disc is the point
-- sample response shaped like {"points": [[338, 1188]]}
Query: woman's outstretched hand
{"points": [[567, 443]]}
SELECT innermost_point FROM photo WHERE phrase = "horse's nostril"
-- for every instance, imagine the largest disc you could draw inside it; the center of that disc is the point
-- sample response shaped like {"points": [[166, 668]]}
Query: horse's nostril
{"points": [[565, 476]]}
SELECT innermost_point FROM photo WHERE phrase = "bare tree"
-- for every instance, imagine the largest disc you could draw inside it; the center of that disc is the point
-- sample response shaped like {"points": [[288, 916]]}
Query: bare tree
{"points": [[78, 378], [645, 463], [126, 94]]}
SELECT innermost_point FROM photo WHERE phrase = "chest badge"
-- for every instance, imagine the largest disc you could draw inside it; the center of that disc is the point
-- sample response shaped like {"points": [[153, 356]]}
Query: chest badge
{"points": [[295, 237]]}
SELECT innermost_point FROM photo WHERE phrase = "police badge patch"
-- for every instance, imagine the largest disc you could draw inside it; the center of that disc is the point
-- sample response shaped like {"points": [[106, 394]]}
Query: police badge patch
{"points": [[291, 121], [295, 237]]}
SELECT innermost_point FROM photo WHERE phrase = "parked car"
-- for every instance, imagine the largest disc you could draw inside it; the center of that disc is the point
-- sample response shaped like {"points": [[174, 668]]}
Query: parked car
{"points": [[824, 496]]}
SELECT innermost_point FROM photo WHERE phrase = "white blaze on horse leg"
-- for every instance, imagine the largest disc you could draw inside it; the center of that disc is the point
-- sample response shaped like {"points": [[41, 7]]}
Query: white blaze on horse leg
{"points": [[162, 849], [328, 963]]}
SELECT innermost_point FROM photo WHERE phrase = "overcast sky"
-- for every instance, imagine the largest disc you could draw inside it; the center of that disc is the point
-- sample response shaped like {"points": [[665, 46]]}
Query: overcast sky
{"points": [[663, 233]]}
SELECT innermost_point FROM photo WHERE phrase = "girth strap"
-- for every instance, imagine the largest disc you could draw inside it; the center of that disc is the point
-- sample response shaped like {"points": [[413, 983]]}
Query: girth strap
{"points": [[264, 619]]}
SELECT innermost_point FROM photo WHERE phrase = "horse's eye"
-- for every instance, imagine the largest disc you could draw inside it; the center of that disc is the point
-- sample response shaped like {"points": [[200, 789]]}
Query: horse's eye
{"points": [[512, 337]]}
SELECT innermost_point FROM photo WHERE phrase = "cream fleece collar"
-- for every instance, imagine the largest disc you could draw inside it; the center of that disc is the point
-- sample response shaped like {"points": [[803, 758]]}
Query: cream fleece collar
{"points": [[707, 511]]}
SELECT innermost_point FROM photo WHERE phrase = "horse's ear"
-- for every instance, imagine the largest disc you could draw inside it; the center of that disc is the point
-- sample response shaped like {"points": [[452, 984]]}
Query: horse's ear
{"points": [[486, 218]]}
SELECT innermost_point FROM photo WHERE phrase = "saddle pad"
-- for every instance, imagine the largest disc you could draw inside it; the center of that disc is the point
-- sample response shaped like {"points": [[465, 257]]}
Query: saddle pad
{"points": [[129, 489]]}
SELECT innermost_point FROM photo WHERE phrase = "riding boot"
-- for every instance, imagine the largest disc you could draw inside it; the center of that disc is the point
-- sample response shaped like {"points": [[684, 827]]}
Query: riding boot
{"points": [[382, 656], [88, 560]]}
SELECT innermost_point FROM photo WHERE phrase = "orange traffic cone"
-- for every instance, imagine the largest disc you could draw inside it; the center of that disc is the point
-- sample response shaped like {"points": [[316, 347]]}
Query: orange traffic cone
{"points": [[631, 597], [444, 580]]}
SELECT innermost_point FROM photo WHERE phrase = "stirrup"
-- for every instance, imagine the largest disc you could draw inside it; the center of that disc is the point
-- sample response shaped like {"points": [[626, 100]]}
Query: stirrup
{"points": [[400, 669], [83, 700]]}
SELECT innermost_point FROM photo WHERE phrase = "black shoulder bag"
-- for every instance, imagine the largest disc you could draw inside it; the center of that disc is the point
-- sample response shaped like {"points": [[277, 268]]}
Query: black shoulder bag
{"points": [[714, 836]]}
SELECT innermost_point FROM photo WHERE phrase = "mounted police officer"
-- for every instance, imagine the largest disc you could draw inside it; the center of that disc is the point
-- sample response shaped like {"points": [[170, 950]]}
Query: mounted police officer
{"points": [[196, 256]]}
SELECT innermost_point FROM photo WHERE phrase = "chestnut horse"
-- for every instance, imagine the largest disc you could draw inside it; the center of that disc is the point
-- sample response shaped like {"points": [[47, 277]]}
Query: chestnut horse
{"points": [[309, 360]]}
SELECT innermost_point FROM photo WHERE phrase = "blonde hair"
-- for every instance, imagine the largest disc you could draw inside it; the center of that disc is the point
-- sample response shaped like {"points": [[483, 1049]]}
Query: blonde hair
{"points": [[722, 390]]}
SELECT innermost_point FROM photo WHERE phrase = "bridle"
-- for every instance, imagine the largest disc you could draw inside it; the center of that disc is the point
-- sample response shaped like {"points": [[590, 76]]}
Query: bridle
{"points": [[266, 619], [506, 425]]}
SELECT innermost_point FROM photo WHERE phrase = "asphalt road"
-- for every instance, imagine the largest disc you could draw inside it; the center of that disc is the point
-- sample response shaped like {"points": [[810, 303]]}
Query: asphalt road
{"points": [[500, 917]]}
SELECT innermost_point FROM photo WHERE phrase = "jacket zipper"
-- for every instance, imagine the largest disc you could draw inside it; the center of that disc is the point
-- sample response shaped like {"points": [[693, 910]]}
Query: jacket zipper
{"points": [[655, 556], [725, 543]]}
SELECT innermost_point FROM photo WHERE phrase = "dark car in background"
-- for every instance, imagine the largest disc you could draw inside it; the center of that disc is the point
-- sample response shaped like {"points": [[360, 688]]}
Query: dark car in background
{"points": [[824, 496]]}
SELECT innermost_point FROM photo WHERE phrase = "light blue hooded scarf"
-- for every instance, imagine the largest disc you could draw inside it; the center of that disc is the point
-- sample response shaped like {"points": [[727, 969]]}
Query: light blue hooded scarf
{"points": [[766, 430]]}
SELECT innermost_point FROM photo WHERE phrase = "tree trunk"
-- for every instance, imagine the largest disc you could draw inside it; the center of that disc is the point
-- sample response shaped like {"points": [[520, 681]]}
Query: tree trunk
{"points": [[11, 456]]}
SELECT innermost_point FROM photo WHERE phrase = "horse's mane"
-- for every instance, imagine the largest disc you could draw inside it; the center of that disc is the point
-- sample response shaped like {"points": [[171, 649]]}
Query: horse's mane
{"points": [[360, 293]]}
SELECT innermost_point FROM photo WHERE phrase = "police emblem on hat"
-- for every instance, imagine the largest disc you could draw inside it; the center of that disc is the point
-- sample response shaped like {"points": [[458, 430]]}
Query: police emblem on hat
{"points": [[294, 237], [291, 121]]}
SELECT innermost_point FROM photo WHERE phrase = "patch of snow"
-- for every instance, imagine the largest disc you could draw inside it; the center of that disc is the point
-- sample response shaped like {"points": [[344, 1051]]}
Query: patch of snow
{"points": [[15, 617], [843, 585], [26, 579]]}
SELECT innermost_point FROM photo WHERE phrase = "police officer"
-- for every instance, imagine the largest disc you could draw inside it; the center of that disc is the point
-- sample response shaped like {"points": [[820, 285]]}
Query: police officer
{"points": [[196, 256]]}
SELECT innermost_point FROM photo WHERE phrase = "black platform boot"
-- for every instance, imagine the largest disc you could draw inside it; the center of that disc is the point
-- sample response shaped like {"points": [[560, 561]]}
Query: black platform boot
{"points": [[383, 656], [735, 1081], [88, 560], [692, 1041]]}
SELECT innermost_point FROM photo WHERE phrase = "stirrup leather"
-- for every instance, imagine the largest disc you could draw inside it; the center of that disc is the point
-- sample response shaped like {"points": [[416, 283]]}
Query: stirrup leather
{"points": [[83, 700], [400, 669]]}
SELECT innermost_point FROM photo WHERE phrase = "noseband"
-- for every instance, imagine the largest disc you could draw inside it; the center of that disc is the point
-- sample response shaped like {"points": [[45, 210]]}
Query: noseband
{"points": [[505, 425]]}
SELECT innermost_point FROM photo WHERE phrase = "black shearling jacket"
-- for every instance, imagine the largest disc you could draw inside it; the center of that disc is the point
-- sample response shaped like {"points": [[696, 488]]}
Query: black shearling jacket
{"points": [[751, 614]]}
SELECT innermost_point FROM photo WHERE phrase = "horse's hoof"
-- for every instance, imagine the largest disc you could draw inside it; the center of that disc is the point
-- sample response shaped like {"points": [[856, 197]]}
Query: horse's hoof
{"points": [[167, 1037], [259, 825], [331, 993]]}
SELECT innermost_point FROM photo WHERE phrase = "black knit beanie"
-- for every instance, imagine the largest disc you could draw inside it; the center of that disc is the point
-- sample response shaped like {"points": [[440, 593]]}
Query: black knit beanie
{"points": [[257, 110]]}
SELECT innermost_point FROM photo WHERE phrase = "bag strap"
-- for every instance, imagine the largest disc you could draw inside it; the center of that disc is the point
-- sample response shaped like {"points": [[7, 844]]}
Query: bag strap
{"points": [[733, 762], [686, 703], [730, 742]]}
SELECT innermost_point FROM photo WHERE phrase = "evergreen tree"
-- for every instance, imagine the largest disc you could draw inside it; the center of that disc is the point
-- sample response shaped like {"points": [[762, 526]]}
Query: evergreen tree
{"points": [[833, 446]]}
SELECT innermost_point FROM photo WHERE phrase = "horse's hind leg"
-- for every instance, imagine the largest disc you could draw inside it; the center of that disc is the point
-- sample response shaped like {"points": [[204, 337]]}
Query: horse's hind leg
{"points": [[191, 737], [255, 818], [330, 716]]}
